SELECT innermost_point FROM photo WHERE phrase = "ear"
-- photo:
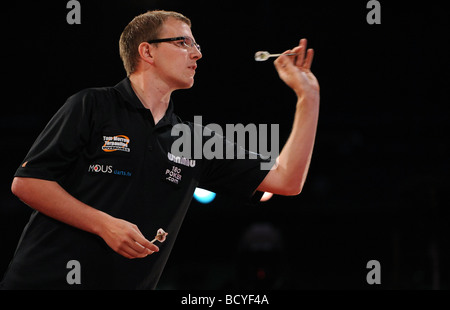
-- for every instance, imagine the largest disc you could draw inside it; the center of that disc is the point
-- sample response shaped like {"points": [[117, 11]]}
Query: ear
{"points": [[145, 52]]}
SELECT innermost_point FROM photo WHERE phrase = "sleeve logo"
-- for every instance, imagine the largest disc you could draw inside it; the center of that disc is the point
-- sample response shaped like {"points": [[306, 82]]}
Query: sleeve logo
{"points": [[116, 143]]}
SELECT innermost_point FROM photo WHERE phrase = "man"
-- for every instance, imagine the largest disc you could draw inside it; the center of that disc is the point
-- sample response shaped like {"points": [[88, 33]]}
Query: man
{"points": [[98, 175]]}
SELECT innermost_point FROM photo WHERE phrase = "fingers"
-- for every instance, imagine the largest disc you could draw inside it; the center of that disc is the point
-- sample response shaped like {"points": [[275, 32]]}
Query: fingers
{"points": [[131, 243], [302, 60], [126, 239], [309, 59], [144, 242], [281, 62], [300, 51], [133, 250], [139, 246]]}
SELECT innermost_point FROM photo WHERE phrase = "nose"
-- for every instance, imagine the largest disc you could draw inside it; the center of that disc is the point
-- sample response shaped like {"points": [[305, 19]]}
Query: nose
{"points": [[196, 54]]}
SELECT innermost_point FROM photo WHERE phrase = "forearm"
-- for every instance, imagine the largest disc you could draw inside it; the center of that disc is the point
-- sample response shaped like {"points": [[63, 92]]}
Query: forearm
{"points": [[295, 157], [288, 177], [51, 199]]}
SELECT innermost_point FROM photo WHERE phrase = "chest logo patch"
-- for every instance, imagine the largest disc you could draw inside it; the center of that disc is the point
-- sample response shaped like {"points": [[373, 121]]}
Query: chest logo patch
{"points": [[181, 160], [116, 143]]}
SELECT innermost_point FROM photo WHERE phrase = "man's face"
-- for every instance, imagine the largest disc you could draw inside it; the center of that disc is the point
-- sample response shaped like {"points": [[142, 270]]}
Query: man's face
{"points": [[174, 62]]}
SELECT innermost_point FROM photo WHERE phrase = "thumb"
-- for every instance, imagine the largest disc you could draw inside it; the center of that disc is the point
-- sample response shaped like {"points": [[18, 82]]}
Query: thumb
{"points": [[283, 60]]}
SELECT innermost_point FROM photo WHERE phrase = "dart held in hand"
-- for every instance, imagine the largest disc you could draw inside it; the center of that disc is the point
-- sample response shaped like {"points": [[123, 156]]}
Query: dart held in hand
{"points": [[264, 55], [160, 236]]}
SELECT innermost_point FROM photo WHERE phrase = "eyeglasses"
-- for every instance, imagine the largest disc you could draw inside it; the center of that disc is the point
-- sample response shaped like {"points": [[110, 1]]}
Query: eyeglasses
{"points": [[186, 42]]}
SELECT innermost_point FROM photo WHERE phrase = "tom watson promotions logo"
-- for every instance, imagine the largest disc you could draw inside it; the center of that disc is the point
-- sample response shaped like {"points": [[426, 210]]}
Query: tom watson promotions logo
{"points": [[116, 143]]}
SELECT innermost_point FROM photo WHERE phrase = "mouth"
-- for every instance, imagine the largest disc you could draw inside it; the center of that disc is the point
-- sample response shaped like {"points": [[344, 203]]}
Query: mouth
{"points": [[193, 67]]}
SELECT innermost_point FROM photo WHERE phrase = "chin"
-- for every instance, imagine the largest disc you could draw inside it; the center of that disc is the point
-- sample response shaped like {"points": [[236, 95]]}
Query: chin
{"points": [[186, 84]]}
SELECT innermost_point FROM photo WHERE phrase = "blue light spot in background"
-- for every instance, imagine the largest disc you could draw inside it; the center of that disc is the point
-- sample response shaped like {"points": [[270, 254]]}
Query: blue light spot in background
{"points": [[203, 195]]}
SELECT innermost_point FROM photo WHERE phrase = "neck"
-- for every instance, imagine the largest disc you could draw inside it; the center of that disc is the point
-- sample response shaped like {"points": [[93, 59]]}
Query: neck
{"points": [[153, 94]]}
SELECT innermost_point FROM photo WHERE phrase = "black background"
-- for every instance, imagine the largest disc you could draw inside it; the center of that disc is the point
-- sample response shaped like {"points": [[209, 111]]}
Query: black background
{"points": [[379, 178]]}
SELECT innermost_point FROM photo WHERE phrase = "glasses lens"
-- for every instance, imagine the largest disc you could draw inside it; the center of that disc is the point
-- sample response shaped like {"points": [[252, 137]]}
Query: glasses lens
{"points": [[188, 41]]}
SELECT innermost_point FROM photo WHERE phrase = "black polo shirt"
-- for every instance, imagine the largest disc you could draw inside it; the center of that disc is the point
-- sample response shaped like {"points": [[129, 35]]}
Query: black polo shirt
{"points": [[103, 147]]}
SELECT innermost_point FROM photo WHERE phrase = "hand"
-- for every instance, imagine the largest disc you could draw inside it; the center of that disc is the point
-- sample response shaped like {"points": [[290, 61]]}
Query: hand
{"points": [[295, 70], [126, 239]]}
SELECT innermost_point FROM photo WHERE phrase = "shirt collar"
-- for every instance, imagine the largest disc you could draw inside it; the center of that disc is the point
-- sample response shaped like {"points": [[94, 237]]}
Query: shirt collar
{"points": [[128, 94]]}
